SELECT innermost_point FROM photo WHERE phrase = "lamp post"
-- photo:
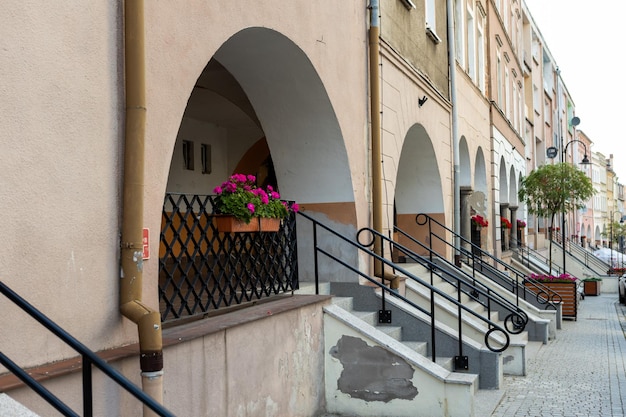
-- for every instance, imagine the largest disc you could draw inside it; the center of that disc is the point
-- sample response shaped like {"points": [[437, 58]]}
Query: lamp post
{"points": [[585, 161], [621, 220]]}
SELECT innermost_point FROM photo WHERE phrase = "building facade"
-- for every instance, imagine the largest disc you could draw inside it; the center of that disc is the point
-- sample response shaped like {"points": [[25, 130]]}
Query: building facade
{"points": [[361, 114]]}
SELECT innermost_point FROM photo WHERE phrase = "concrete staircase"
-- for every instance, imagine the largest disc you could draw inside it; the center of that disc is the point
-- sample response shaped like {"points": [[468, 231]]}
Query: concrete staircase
{"points": [[514, 357], [374, 369], [370, 372]]}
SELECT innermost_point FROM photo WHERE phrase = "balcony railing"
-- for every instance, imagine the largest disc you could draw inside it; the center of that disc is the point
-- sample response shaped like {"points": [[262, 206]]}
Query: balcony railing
{"points": [[202, 270]]}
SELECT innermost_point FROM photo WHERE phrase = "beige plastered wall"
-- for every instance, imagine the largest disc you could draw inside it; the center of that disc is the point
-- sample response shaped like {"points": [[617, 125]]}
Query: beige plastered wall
{"points": [[272, 366], [474, 126], [62, 114], [333, 37], [402, 87]]}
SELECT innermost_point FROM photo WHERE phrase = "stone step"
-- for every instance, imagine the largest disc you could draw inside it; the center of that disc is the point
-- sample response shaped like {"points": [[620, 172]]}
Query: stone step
{"points": [[11, 408]]}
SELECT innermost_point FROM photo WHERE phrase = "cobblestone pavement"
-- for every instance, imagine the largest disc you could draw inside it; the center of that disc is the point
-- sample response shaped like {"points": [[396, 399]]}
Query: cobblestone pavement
{"points": [[580, 373]]}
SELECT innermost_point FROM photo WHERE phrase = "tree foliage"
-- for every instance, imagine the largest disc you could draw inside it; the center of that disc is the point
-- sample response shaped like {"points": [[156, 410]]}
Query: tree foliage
{"points": [[555, 188]]}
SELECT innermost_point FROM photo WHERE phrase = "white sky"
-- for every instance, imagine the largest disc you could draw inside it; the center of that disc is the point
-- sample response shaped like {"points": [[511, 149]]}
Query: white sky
{"points": [[586, 39]]}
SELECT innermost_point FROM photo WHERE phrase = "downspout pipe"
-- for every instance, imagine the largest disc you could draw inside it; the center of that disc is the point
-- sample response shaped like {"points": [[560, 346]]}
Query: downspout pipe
{"points": [[375, 117], [456, 205], [131, 274]]}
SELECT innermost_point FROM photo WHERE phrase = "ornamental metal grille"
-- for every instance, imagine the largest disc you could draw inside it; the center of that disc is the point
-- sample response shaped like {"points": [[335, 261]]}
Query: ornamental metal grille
{"points": [[202, 270]]}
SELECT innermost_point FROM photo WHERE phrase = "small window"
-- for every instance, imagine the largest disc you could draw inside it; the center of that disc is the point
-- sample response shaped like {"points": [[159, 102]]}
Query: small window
{"points": [[205, 154], [429, 6], [188, 155]]}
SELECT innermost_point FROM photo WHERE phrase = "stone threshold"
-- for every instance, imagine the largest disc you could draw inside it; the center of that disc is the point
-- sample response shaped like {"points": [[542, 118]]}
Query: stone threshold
{"points": [[172, 336]]}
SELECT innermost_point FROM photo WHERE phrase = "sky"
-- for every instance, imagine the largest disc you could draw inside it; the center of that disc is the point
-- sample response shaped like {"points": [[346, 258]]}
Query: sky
{"points": [[586, 39]]}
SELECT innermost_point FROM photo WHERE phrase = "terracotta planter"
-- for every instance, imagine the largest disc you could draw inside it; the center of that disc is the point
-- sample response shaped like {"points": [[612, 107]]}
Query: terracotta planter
{"points": [[229, 224], [269, 224], [592, 287], [567, 291]]}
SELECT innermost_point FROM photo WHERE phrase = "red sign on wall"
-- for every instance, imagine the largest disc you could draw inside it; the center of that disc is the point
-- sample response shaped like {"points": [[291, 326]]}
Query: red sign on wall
{"points": [[146, 244]]}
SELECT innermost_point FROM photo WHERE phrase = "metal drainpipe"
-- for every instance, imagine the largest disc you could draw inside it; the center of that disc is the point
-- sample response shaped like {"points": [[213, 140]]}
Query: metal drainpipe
{"points": [[131, 275], [456, 205], [377, 200]]}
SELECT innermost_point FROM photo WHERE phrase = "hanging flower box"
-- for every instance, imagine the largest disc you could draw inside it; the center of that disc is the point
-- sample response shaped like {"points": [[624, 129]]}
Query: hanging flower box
{"points": [[241, 206], [479, 221], [269, 224], [230, 224]]}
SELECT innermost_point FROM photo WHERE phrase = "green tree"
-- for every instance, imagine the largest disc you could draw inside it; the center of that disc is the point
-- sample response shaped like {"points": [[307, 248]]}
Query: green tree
{"points": [[617, 229], [555, 188]]}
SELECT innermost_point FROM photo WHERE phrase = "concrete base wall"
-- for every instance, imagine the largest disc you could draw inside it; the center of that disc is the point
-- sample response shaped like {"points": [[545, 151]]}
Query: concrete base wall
{"points": [[261, 361]]}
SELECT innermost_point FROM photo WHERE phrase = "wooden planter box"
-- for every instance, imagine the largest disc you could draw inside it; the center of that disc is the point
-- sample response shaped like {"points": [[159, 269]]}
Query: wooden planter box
{"points": [[267, 224], [229, 224], [592, 287], [567, 291]]}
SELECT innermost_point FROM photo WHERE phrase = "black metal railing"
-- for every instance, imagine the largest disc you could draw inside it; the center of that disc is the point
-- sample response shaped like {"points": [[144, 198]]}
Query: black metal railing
{"points": [[481, 261], [586, 258], [491, 341], [515, 318], [89, 360], [527, 255], [202, 270]]}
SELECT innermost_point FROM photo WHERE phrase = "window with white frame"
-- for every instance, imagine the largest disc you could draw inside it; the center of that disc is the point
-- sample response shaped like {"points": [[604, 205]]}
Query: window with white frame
{"points": [[471, 41], [431, 12], [480, 45], [520, 112], [459, 28], [499, 77], [536, 99], [507, 94]]}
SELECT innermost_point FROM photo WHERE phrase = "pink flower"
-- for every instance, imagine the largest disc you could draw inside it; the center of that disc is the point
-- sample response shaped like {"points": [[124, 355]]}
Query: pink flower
{"points": [[217, 190], [274, 194], [295, 207], [238, 178], [250, 207]]}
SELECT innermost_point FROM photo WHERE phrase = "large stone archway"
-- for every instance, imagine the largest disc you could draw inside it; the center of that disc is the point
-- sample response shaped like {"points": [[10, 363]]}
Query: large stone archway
{"points": [[419, 187], [259, 107]]}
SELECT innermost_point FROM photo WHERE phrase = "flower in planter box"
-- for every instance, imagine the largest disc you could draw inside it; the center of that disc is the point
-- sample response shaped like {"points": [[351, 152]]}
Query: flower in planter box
{"points": [[241, 198], [479, 220], [545, 278], [505, 223], [521, 224]]}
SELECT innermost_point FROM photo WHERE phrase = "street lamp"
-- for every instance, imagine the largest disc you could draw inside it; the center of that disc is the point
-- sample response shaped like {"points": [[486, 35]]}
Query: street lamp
{"points": [[585, 161], [621, 220]]}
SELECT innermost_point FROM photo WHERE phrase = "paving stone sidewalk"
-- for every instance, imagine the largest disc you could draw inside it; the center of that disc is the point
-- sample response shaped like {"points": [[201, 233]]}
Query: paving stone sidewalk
{"points": [[580, 373]]}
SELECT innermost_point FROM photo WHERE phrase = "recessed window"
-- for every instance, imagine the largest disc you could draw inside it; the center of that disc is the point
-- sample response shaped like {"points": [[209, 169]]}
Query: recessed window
{"points": [[188, 155], [430, 9], [205, 156]]}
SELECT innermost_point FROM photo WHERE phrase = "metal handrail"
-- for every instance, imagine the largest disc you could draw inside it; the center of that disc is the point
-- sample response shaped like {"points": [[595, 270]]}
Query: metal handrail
{"points": [[525, 252], [517, 282], [89, 359], [479, 292], [387, 291], [589, 260]]}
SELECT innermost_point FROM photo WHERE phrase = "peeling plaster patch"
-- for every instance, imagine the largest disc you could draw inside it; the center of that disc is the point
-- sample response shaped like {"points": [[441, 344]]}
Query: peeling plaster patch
{"points": [[138, 259], [372, 373], [508, 358]]}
